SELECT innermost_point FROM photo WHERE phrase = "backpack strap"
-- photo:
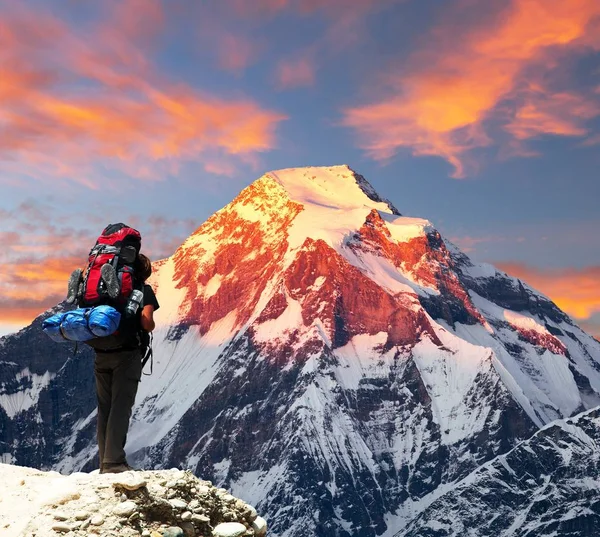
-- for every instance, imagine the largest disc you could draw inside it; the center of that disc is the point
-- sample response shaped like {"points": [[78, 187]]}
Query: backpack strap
{"points": [[148, 356]]}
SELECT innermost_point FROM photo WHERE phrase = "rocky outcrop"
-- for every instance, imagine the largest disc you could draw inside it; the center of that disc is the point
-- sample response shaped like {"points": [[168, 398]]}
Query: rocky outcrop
{"points": [[168, 503], [426, 259]]}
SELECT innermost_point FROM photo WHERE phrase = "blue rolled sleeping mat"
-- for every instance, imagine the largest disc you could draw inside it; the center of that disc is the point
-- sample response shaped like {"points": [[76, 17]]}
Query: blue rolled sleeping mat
{"points": [[82, 324]]}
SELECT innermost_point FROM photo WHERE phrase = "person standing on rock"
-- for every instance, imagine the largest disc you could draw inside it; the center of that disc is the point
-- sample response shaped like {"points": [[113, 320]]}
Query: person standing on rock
{"points": [[118, 372]]}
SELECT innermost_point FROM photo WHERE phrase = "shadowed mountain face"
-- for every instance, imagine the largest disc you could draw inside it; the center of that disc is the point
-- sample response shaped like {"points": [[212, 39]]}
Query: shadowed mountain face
{"points": [[334, 363]]}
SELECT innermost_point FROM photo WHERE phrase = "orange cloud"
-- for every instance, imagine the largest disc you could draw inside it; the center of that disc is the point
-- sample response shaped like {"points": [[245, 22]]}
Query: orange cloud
{"points": [[78, 96], [295, 73], [441, 101], [560, 113], [576, 291], [31, 287], [13, 319], [42, 249]]}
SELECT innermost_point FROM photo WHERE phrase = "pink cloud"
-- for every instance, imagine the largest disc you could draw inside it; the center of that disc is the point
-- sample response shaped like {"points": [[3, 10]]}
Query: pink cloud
{"points": [[440, 102], [236, 53], [295, 73], [76, 96]]}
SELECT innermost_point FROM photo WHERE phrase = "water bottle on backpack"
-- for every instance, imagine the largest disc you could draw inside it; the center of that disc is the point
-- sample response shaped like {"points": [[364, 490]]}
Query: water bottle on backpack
{"points": [[136, 299]]}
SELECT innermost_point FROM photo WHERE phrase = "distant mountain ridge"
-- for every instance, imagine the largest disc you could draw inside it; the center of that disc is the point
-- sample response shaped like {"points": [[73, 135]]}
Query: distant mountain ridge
{"points": [[330, 361], [545, 486]]}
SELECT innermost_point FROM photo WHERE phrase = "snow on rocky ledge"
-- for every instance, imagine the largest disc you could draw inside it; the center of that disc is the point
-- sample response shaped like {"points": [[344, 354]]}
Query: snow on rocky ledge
{"points": [[165, 503]]}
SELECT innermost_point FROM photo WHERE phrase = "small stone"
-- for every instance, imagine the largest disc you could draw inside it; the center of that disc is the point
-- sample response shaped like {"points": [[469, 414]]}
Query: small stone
{"points": [[125, 508], [146, 533], [204, 490], [81, 515], [130, 481], [188, 529], [193, 490], [85, 524], [259, 526], [171, 494], [229, 529], [97, 520], [171, 484], [200, 518], [156, 534], [251, 513], [60, 515], [61, 527], [178, 504], [133, 517], [193, 504], [173, 531], [186, 516], [228, 498]]}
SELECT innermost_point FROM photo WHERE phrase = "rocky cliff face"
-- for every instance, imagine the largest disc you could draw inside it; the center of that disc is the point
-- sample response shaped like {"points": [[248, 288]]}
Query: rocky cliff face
{"points": [[47, 397], [328, 360]]}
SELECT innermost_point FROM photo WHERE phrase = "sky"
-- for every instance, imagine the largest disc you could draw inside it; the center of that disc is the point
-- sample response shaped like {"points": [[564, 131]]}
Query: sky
{"points": [[482, 116]]}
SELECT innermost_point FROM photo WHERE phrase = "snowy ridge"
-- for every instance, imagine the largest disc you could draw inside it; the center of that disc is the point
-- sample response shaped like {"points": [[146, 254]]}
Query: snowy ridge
{"points": [[547, 485], [20, 400]]}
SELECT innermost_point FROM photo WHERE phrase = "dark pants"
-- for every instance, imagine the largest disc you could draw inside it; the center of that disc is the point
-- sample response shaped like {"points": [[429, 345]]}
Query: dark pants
{"points": [[117, 377]]}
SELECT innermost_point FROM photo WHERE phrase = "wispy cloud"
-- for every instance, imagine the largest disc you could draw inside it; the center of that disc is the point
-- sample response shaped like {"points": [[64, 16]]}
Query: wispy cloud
{"points": [[458, 94], [344, 27], [236, 52], [76, 96], [40, 249], [469, 244]]}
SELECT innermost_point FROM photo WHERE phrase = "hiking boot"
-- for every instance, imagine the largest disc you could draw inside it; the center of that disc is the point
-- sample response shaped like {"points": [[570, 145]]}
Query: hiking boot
{"points": [[110, 279], [74, 285], [109, 468]]}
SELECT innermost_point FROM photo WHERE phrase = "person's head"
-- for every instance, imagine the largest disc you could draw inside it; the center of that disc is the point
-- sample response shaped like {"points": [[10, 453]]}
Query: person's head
{"points": [[143, 267]]}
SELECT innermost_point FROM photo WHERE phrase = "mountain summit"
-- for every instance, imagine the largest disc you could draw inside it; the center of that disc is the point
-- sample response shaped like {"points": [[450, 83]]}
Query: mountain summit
{"points": [[330, 361]]}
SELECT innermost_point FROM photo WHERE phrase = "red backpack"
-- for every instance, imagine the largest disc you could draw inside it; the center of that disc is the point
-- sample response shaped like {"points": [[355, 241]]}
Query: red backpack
{"points": [[109, 278]]}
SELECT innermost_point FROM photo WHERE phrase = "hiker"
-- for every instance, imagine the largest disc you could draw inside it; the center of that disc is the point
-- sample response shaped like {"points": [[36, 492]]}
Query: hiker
{"points": [[118, 372], [115, 317]]}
